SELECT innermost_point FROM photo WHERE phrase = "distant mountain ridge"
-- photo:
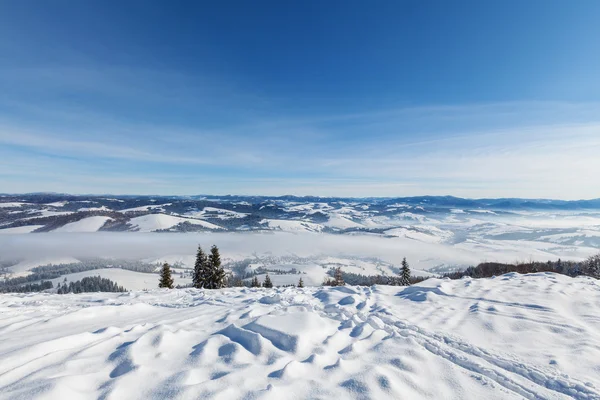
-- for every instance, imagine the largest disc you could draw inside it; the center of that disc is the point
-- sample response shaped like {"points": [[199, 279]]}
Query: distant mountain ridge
{"points": [[440, 201]]}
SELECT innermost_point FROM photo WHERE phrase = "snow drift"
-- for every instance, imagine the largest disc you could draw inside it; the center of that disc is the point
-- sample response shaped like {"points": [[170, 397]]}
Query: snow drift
{"points": [[511, 337]]}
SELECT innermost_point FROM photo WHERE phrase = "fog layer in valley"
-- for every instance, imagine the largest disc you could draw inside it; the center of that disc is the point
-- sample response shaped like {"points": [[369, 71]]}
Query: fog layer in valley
{"points": [[242, 245]]}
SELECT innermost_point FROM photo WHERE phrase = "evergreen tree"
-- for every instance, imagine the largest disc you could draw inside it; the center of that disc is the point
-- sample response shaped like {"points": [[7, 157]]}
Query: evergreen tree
{"points": [[216, 277], [405, 273], [338, 279], [268, 284], [236, 282], [300, 283], [166, 281], [592, 266], [201, 269], [255, 282]]}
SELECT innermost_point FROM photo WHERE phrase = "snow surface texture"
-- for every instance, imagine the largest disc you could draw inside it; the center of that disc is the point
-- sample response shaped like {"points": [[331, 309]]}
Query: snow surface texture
{"points": [[511, 337]]}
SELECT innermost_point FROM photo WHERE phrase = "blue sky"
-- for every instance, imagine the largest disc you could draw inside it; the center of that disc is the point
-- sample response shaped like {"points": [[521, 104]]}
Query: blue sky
{"points": [[335, 98]]}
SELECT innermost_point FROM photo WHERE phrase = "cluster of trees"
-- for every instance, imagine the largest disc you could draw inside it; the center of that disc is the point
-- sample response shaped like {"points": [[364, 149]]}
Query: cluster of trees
{"points": [[53, 271], [208, 271], [30, 287], [590, 267], [340, 278], [266, 284], [209, 274], [90, 284]]}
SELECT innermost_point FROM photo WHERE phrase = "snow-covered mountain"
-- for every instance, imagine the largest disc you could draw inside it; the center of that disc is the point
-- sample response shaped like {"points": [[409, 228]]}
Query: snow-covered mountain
{"points": [[434, 233], [428, 219]]}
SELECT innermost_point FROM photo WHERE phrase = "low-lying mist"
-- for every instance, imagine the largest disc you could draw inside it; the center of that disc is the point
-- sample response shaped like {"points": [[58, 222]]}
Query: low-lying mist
{"points": [[241, 245]]}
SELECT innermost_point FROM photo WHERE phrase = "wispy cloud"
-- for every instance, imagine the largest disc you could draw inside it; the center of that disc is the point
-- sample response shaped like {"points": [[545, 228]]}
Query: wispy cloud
{"points": [[528, 149]]}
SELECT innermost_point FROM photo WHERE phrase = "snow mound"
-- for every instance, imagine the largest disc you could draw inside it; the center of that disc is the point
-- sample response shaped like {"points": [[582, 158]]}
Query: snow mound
{"points": [[511, 337], [294, 332]]}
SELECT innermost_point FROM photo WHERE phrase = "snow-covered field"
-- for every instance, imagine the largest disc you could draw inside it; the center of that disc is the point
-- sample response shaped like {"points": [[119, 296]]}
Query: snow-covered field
{"points": [[153, 222], [130, 280], [89, 224], [511, 337]]}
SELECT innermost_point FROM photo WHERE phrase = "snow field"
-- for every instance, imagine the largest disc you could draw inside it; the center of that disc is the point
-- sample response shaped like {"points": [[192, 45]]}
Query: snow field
{"points": [[154, 222], [89, 224], [516, 336]]}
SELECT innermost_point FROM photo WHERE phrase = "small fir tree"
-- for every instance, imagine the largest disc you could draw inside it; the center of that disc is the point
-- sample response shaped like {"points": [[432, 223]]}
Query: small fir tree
{"points": [[166, 281], [201, 269], [300, 283], [255, 282], [268, 284], [405, 273], [216, 277]]}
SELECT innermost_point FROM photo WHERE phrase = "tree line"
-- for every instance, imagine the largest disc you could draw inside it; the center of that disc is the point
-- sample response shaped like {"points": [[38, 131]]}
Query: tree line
{"points": [[590, 267], [90, 284], [209, 274], [26, 288], [340, 278]]}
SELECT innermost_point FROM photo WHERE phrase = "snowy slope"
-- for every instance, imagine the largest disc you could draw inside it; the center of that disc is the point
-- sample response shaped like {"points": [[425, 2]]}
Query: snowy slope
{"points": [[216, 213], [512, 337], [130, 280], [154, 222], [21, 229], [89, 224], [23, 267], [337, 221]]}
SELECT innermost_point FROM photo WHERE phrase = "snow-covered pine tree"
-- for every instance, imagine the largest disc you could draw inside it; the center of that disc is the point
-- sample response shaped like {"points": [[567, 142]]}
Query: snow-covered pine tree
{"points": [[216, 276], [592, 266], [405, 273], [338, 279], [166, 281], [267, 283], [300, 283], [201, 269], [255, 282]]}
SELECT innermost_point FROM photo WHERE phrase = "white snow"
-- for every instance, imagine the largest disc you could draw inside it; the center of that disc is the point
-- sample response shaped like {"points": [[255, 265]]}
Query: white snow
{"points": [[21, 229], [46, 213], [512, 337], [220, 213], [483, 211], [89, 224], [292, 226], [154, 222], [102, 208], [340, 222], [58, 203]]}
